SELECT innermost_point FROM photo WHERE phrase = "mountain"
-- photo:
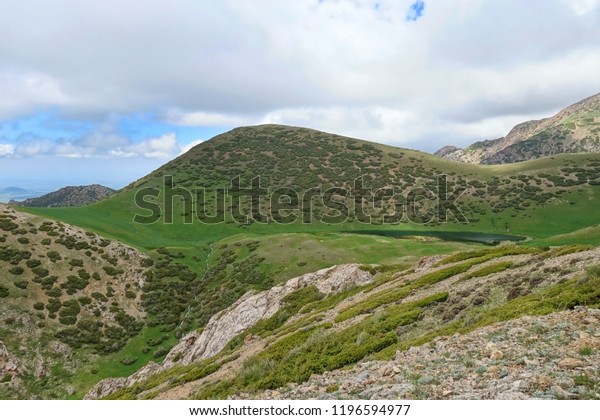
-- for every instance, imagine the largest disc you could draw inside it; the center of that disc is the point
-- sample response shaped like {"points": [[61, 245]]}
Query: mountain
{"points": [[13, 190], [18, 194], [237, 244], [311, 215], [575, 129], [69, 197]]}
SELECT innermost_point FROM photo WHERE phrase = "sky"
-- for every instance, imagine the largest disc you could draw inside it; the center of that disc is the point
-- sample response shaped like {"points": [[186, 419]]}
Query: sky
{"points": [[104, 92]]}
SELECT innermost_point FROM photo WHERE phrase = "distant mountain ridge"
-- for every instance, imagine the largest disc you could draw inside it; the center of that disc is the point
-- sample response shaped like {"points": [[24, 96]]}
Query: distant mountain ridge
{"points": [[73, 196], [575, 129]]}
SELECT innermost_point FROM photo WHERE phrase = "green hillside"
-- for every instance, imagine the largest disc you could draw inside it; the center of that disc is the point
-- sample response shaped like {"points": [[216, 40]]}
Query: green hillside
{"points": [[539, 199]]}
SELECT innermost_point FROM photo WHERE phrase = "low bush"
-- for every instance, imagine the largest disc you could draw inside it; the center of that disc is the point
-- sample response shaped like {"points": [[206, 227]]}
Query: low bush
{"points": [[17, 271]]}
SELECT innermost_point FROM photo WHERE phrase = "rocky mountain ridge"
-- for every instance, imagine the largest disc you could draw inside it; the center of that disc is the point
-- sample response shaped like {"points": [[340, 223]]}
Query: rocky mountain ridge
{"points": [[575, 129]]}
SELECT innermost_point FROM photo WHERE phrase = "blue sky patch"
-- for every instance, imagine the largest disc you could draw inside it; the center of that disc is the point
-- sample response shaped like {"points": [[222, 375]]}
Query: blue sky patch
{"points": [[415, 11]]}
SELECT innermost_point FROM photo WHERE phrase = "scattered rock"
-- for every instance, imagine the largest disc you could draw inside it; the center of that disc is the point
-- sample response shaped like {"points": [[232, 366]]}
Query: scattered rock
{"points": [[571, 363]]}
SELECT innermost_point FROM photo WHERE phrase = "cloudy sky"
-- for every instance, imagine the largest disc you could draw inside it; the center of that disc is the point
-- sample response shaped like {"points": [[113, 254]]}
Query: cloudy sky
{"points": [[107, 91]]}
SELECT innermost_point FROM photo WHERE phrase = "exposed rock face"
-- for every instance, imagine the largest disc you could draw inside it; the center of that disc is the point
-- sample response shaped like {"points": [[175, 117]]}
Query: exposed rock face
{"points": [[108, 386], [9, 365], [69, 197], [253, 307], [572, 130], [230, 322]]}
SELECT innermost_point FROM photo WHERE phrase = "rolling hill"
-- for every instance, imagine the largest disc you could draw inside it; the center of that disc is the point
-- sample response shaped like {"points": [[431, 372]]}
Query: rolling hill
{"points": [[575, 129], [313, 181]]}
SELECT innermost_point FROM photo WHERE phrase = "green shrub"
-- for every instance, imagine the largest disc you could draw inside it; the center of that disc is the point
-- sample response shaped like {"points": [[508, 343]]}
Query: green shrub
{"points": [[76, 262], [17, 271], [99, 297], [85, 300], [33, 263], [111, 271], [54, 292], [70, 308], [40, 272], [3, 292], [23, 241], [73, 284], [21, 284], [489, 269], [53, 305], [38, 306], [160, 352], [54, 256]]}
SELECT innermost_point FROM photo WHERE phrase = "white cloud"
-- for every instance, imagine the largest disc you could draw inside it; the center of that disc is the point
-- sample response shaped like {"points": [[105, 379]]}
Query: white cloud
{"points": [[344, 66], [27, 90], [583, 7], [97, 145], [160, 147], [189, 146], [200, 118], [6, 149]]}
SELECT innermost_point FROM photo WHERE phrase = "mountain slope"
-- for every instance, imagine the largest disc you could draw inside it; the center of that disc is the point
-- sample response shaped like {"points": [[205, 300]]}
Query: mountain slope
{"points": [[294, 332], [511, 360], [575, 129], [69, 197], [76, 307]]}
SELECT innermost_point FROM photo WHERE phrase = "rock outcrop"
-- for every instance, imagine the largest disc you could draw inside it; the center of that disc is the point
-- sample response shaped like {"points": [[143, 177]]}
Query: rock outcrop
{"points": [[242, 315], [9, 365]]}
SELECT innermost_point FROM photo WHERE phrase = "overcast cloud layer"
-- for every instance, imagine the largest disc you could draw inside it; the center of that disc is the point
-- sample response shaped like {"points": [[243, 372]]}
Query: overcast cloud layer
{"points": [[147, 78]]}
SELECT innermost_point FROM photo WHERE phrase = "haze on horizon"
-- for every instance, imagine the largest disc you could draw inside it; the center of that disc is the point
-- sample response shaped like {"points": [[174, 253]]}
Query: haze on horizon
{"points": [[105, 92]]}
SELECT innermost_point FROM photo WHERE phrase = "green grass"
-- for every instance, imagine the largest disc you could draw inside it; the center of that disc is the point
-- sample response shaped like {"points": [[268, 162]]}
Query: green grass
{"points": [[110, 366], [390, 296], [489, 269]]}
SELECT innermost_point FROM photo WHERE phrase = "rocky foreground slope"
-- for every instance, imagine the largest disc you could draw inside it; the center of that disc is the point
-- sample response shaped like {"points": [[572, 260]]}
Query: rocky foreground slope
{"points": [[556, 356], [489, 323]]}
